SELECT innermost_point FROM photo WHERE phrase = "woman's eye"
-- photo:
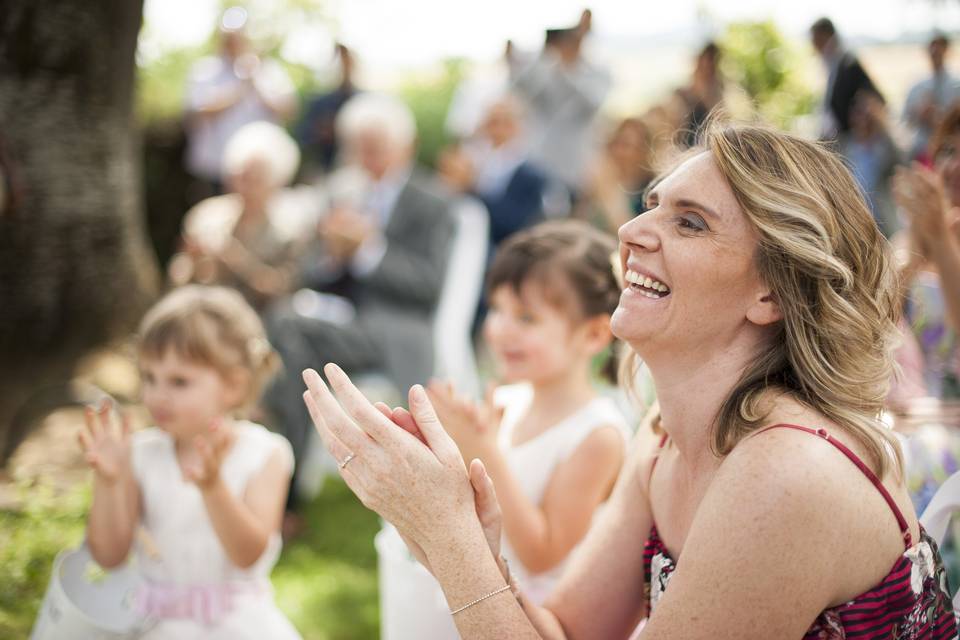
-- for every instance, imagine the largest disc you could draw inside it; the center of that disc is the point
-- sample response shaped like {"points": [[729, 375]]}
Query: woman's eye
{"points": [[180, 382], [692, 223]]}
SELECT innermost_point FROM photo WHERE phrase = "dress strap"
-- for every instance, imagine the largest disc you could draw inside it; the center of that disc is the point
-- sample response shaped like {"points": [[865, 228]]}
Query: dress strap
{"points": [[871, 476]]}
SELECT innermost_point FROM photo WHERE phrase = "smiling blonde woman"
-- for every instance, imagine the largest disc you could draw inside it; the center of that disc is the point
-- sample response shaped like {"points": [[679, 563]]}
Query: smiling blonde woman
{"points": [[760, 294]]}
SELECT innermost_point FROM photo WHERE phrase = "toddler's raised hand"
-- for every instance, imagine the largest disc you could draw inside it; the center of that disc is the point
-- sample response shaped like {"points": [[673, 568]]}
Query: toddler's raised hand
{"points": [[211, 449], [106, 445], [473, 426]]}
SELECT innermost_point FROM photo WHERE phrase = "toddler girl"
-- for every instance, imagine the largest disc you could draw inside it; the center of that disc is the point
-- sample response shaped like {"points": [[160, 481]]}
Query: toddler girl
{"points": [[206, 490]]}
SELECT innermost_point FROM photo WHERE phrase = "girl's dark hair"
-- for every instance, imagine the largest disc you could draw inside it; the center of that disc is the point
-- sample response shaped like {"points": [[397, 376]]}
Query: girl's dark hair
{"points": [[571, 261]]}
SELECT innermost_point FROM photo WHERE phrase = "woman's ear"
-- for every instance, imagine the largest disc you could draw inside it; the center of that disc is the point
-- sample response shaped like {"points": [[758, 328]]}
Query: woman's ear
{"points": [[765, 310]]}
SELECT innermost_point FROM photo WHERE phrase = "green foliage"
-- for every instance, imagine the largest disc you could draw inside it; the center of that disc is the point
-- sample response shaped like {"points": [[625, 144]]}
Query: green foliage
{"points": [[429, 100], [30, 539], [757, 56], [162, 77], [326, 581], [161, 85]]}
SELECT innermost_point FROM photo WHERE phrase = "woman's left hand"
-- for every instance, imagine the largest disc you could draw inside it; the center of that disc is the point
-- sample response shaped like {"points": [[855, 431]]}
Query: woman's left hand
{"points": [[422, 490]]}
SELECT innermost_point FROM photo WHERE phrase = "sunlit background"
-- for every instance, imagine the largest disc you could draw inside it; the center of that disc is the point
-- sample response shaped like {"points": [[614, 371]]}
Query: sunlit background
{"points": [[421, 51]]}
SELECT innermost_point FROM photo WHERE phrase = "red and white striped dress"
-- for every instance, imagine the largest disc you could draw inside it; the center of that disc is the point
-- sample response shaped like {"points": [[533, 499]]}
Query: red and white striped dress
{"points": [[911, 603]]}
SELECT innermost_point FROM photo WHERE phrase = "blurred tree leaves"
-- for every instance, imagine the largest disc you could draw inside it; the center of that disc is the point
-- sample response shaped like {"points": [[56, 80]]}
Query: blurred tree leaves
{"points": [[429, 98], [300, 34], [769, 68]]}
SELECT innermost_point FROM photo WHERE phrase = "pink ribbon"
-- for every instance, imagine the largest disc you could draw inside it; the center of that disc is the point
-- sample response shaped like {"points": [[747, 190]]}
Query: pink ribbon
{"points": [[206, 603]]}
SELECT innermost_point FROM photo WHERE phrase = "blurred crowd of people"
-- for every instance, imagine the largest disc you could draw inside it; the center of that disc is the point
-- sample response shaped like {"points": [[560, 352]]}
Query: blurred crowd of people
{"points": [[327, 242], [349, 264]]}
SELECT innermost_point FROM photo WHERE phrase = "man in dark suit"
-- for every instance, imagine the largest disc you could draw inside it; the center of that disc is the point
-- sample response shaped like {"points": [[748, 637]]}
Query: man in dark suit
{"points": [[846, 78], [494, 166], [315, 132], [390, 240]]}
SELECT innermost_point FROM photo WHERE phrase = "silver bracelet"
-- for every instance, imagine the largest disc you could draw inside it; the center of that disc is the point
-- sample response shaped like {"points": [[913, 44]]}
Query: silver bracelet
{"points": [[481, 599]]}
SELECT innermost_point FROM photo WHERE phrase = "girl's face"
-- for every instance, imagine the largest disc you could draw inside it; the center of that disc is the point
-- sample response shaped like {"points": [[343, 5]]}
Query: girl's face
{"points": [[692, 285], [531, 339], [185, 397]]}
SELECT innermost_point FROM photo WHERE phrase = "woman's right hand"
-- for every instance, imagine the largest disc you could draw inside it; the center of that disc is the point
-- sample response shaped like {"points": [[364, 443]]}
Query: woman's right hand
{"points": [[105, 444], [422, 490], [484, 494], [488, 512]]}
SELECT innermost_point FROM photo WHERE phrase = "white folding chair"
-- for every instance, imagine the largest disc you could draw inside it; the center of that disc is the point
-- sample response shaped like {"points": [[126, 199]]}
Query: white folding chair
{"points": [[411, 602], [454, 358], [936, 517]]}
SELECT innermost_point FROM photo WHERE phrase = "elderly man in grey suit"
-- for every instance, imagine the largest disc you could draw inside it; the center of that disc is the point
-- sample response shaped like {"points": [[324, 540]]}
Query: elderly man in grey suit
{"points": [[385, 243]]}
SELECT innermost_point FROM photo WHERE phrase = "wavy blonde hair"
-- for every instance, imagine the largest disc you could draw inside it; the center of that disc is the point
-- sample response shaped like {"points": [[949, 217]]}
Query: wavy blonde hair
{"points": [[830, 271]]}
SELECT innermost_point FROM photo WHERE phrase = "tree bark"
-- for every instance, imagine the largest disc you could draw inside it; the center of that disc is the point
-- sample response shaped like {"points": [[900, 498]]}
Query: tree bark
{"points": [[75, 271]]}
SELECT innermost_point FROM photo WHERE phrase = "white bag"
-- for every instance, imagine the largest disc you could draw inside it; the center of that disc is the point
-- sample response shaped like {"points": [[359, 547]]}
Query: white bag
{"points": [[79, 605]]}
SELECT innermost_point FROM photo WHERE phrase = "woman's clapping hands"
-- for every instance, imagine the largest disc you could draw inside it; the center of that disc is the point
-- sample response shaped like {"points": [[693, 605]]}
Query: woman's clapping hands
{"points": [[402, 464]]}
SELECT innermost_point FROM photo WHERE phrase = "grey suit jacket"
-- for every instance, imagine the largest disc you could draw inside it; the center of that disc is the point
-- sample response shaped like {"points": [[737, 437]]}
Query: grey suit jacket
{"points": [[396, 301]]}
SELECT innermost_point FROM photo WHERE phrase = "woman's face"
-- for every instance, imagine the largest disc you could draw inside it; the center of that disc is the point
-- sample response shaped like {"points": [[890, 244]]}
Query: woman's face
{"points": [[694, 251], [948, 166]]}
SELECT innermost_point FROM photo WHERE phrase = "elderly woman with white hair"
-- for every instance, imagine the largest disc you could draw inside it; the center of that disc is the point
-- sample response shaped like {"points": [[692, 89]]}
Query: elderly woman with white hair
{"points": [[249, 238]]}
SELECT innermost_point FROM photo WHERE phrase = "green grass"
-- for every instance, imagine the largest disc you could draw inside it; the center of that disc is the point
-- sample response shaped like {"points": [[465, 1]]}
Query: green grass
{"points": [[326, 581], [30, 539]]}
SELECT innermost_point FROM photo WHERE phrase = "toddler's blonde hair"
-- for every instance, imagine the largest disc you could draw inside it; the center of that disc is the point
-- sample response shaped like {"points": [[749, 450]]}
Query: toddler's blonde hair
{"points": [[212, 326]]}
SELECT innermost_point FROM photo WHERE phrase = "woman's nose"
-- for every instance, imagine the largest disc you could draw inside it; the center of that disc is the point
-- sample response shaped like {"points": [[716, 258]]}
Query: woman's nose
{"points": [[641, 232]]}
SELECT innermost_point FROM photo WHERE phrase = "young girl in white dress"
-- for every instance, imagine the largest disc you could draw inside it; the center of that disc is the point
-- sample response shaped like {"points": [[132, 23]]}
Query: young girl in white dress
{"points": [[199, 497], [551, 444]]}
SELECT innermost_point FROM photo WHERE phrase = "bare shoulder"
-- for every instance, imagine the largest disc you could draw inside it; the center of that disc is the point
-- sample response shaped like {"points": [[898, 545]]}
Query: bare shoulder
{"points": [[605, 441], [800, 446], [801, 491], [800, 463]]}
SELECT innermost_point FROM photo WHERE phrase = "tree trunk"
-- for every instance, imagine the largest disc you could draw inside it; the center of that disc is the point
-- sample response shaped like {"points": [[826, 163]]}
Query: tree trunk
{"points": [[74, 267]]}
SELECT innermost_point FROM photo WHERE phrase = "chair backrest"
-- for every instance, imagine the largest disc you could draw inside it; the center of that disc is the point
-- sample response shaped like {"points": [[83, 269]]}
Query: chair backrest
{"points": [[936, 517], [454, 358]]}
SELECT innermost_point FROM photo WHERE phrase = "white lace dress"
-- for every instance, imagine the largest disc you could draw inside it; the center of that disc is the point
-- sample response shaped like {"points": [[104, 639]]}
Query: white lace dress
{"points": [[193, 589]]}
